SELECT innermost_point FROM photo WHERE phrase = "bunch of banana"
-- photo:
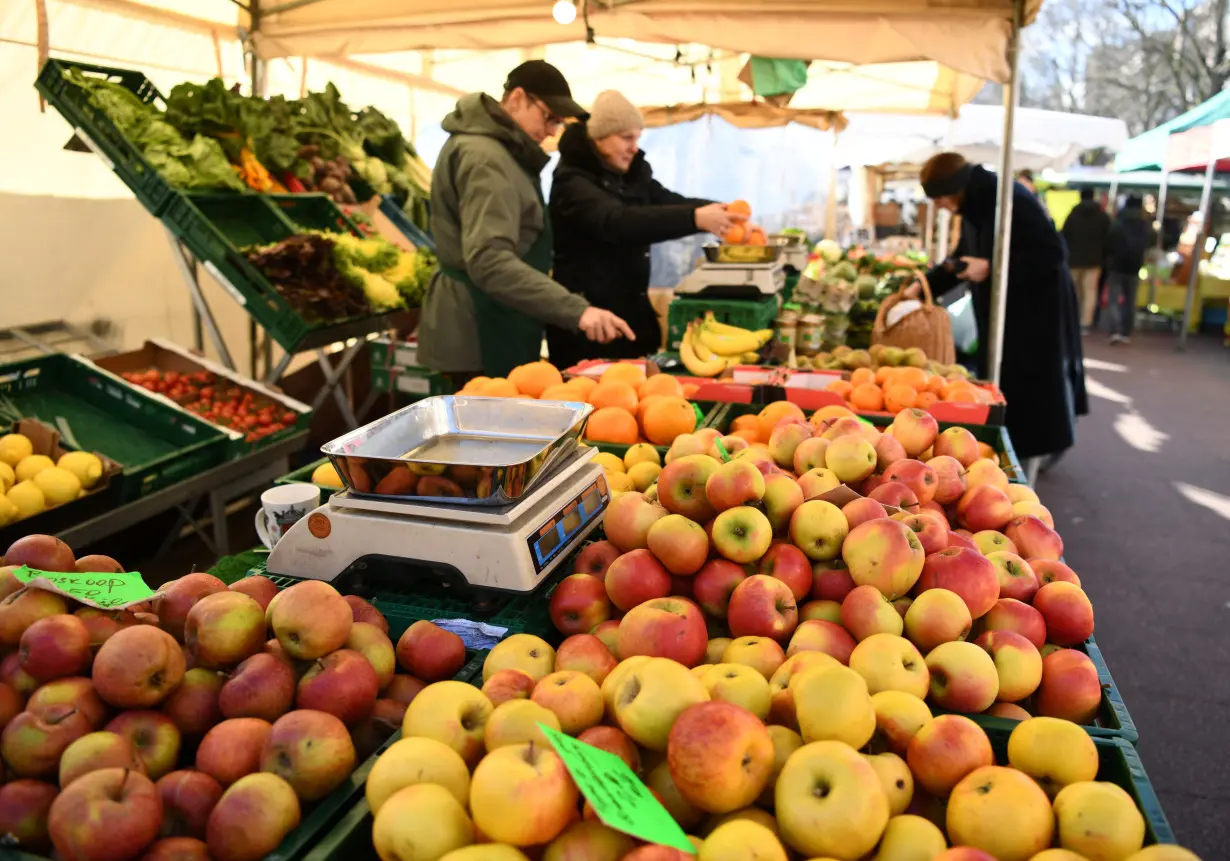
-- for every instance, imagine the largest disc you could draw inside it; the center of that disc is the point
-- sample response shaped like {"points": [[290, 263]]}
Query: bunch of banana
{"points": [[709, 347]]}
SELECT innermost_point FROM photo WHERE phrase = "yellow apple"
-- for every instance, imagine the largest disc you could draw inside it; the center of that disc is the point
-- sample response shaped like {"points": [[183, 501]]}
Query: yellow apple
{"points": [[1001, 811], [752, 814], [516, 722], [896, 779], [738, 684], [1098, 820], [785, 742], [832, 704], [684, 812], [898, 717], [589, 841], [1158, 852], [741, 840], [651, 696], [781, 708], [486, 852], [910, 838], [830, 802], [532, 655], [715, 649], [610, 685], [574, 697], [891, 663], [1068, 855], [1053, 752], [451, 712], [420, 821], [522, 795], [412, 761]]}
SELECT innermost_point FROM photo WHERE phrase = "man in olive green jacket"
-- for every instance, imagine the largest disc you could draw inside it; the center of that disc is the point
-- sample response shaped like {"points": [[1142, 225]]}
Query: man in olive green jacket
{"points": [[487, 306]]}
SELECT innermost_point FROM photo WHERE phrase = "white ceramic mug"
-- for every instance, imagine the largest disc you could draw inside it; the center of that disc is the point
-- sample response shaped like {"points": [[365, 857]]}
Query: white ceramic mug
{"points": [[282, 507]]}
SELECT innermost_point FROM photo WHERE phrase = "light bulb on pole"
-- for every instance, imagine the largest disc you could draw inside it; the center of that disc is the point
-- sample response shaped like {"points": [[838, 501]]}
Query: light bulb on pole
{"points": [[564, 12]]}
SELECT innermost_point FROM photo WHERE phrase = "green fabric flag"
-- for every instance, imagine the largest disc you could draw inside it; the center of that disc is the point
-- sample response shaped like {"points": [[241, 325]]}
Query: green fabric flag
{"points": [[777, 77]]}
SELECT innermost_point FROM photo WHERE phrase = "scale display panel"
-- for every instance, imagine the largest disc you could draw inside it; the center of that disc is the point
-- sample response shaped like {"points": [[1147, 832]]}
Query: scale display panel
{"points": [[555, 534]]}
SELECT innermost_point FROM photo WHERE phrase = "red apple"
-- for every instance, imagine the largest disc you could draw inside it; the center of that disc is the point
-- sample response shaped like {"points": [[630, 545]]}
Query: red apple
{"points": [[363, 610], [713, 584], [595, 558], [608, 633], [259, 589], [232, 749], [405, 688], [41, 552], [12, 675], [177, 849], [963, 677], [173, 601], [24, 807], [916, 430], [311, 750], [154, 736], [681, 545], [252, 818], [1016, 661], [810, 455], [33, 741], [867, 611], [193, 706], [109, 813], [101, 624], [984, 506], [77, 692], [782, 495], [736, 483], [817, 635], [917, 476], [578, 603], [262, 687], [896, 495], [371, 734], [932, 535], [1034, 539], [861, 510], [1070, 687], [947, 748], [11, 703], [1009, 614], [664, 628], [636, 577], [54, 647], [21, 609], [342, 683], [138, 667], [188, 797], [616, 741], [1016, 577], [509, 684], [428, 652], [957, 443], [764, 607], [681, 488], [1050, 570], [885, 554], [583, 653], [888, 451], [966, 572], [1067, 611], [223, 629], [950, 483], [790, 565]]}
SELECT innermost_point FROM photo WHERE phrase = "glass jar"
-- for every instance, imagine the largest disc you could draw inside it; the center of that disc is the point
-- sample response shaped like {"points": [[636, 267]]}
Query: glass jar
{"points": [[810, 334], [786, 326]]}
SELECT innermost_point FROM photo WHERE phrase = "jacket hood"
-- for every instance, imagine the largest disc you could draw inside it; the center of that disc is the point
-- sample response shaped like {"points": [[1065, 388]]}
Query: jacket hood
{"points": [[576, 151], [979, 200], [479, 114]]}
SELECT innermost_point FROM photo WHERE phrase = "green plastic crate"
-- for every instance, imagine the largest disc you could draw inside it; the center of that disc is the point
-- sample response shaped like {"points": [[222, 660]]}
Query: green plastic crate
{"points": [[215, 227], [303, 475], [395, 368], [97, 131], [156, 443], [748, 313], [313, 212]]}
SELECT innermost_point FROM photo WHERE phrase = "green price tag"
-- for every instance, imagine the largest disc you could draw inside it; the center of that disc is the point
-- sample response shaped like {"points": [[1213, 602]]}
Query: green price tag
{"points": [[618, 797], [104, 591]]}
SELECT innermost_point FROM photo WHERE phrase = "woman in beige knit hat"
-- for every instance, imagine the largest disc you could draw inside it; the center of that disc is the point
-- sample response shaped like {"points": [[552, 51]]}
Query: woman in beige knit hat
{"points": [[606, 212]]}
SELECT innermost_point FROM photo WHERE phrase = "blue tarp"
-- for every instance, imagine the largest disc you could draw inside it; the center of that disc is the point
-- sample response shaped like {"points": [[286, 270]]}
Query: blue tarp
{"points": [[1147, 151]]}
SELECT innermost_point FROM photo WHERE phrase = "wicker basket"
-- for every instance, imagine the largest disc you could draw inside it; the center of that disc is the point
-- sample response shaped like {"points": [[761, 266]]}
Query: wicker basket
{"points": [[927, 328]]}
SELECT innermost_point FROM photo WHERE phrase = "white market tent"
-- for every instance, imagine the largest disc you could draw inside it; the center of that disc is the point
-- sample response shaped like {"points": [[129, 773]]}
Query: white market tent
{"points": [[411, 58]]}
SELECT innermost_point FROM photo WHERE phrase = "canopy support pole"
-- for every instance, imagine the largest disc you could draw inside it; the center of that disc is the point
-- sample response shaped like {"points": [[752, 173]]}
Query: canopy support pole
{"points": [[1206, 200], [830, 206], [1003, 208], [1161, 246], [942, 216]]}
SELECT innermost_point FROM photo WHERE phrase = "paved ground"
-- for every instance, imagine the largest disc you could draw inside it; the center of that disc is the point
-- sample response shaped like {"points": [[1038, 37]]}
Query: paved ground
{"points": [[1143, 503]]}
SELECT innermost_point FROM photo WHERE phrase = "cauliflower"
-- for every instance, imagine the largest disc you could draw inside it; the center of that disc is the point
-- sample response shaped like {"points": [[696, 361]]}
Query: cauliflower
{"points": [[829, 250]]}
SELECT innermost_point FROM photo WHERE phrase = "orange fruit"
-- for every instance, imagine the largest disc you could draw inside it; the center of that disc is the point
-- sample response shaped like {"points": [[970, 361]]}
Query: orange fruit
{"points": [[747, 422], [582, 385], [739, 207], [774, 413], [667, 418], [750, 434], [473, 385], [563, 392], [936, 385], [841, 388], [611, 424], [862, 375], [884, 373], [916, 378], [925, 400], [498, 387], [614, 394], [736, 235], [898, 397], [534, 378], [644, 404], [756, 236], [867, 397], [661, 384], [690, 390], [961, 393], [624, 372]]}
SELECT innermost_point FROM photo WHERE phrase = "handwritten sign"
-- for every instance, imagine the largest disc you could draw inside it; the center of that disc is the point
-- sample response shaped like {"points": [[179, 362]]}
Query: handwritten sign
{"points": [[104, 591], [617, 795]]}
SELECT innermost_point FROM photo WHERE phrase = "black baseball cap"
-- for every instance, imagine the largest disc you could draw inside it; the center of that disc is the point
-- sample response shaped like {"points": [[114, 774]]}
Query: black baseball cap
{"points": [[539, 78]]}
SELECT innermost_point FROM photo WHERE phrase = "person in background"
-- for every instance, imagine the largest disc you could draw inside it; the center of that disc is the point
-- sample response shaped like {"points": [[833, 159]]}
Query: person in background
{"points": [[487, 305], [608, 210], [1085, 230], [1129, 242], [1026, 178], [1042, 371]]}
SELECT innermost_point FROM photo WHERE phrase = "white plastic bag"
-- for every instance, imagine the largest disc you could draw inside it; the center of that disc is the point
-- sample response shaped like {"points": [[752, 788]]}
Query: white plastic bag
{"points": [[895, 313]]}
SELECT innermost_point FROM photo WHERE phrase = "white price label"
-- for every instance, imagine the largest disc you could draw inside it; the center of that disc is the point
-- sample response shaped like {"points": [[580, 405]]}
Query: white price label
{"points": [[413, 385], [225, 282], [89, 141]]}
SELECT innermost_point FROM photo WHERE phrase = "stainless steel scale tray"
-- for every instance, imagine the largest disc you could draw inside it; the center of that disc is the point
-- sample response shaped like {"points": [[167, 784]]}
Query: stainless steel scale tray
{"points": [[459, 449]]}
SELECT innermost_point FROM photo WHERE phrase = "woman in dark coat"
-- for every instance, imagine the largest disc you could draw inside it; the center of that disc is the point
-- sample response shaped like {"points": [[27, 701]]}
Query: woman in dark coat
{"points": [[606, 212], [1042, 373]]}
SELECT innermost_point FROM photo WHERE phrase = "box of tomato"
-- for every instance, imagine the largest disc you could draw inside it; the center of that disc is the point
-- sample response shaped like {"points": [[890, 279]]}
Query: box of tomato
{"points": [[253, 414]]}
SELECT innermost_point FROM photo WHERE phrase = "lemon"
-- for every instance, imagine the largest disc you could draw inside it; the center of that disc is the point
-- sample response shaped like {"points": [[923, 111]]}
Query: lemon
{"points": [[619, 481], [7, 477], [326, 476], [27, 499], [644, 474], [609, 462], [87, 467], [8, 511], [28, 467], [14, 447], [58, 485], [642, 452]]}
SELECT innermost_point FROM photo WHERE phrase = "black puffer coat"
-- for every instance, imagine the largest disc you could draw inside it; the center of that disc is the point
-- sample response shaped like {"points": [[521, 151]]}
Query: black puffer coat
{"points": [[1043, 370], [604, 224]]}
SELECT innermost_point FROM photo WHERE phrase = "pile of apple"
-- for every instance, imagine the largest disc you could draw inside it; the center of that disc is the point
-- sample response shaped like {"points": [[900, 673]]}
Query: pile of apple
{"points": [[807, 764], [198, 724]]}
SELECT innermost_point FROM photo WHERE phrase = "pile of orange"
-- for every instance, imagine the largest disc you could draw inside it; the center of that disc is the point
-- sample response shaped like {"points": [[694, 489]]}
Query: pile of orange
{"points": [[744, 233], [629, 407], [889, 389]]}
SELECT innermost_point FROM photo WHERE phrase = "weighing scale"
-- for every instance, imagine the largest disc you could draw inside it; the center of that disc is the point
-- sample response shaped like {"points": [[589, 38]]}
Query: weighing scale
{"points": [[795, 256], [734, 280], [511, 548]]}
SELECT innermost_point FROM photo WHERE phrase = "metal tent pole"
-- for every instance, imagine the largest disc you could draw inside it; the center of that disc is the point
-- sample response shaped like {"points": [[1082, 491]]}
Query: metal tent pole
{"points": [[943, 216], [1206, 200], [1161, 224], [1003, 209]]}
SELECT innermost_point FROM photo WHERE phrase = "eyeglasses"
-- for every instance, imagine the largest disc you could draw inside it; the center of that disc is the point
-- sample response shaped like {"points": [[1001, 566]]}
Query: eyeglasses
{"points": [[549, 118]]}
